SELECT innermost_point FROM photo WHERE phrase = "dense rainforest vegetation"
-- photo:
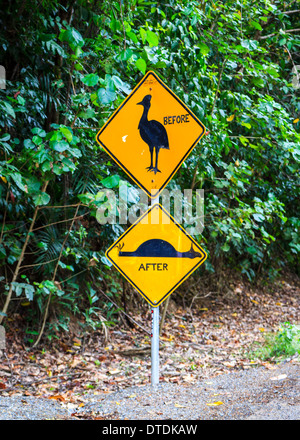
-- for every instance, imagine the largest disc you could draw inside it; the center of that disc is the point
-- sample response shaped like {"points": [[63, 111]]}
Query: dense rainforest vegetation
{"points": [[69, 64]]}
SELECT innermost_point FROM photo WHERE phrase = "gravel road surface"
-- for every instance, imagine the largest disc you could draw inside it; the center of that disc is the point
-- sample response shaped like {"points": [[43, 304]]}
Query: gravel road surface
{"points": [[254, 394]]}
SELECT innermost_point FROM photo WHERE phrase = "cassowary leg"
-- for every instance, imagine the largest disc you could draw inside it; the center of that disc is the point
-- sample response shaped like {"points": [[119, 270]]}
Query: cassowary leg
{"points": [[155, 169], [151, 166]]}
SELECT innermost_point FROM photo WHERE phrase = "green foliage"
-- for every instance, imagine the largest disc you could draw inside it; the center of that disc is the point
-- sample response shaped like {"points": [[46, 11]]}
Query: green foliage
{"points": [[282, 344], [71, 64]]}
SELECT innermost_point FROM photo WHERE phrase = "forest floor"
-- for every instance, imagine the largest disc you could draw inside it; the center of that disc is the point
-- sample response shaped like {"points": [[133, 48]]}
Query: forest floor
{"points": [[213, 336]]}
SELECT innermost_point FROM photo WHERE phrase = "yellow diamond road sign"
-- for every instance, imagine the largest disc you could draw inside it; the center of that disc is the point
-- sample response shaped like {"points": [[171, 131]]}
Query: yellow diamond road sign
{"points": [[151, 134], [156, 255]]}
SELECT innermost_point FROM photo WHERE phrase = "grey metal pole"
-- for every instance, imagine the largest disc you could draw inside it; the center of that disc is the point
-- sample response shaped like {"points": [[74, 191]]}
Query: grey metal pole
{"points": [[155, 337], [155, 347]]}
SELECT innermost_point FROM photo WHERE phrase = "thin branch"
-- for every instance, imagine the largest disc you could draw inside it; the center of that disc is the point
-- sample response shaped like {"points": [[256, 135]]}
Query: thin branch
{"points": [[15, 229], [218, 88], [61, 221], [163, 316], [122, 19], [294, 66], [72, 276], [292, 30], [86, 128], [291, 12], [275, 33], [194, 176], [39, 264], [128, 316], [61, 206], [250, 137], [5, 212]]}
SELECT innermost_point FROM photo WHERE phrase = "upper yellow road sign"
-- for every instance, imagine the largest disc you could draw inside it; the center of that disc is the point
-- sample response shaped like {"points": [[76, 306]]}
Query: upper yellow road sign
{"points": [[151, 134], [156, 255]]}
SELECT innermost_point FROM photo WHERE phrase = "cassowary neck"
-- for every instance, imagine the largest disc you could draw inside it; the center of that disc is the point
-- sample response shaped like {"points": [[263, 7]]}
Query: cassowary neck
{"points": [[144, 118]]}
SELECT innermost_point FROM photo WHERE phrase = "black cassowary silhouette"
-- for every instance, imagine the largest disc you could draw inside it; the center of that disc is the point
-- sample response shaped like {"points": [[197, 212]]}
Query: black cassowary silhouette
{"points": [[158, 248], [153, 133]]}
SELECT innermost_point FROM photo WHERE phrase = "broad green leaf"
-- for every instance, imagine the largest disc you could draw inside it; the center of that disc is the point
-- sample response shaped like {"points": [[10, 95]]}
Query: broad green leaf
{"points": [[91, 79], [143, 34], [133, 37], [5, 137], [60, 146], [38, 131], [111, 181], [256, 25], [67, 133], [160, 65], [106, 261], [75, 152], [259, 82], [115, 25], [9, 109], [72, 36], [57, 169], [87, 114], [244, 140], [204, 49], [41, 198], [2, 252], [105, 96], [259, 217], [29, 144], [273, 72], [152, 38], [250, 44], [226, 247], [246, 124], [141, 65], [18, 289], [37, 140], [29, 291], [252, 250], [33, 185], [125, 54], [120, 85], [17, 178]]}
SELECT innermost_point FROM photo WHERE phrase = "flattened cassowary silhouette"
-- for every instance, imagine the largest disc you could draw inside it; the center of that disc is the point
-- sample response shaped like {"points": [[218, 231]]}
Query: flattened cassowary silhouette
{"points": [[158, 248], [153, 133]]}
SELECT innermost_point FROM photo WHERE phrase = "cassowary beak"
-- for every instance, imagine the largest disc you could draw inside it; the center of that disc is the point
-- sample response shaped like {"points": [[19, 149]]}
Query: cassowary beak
{"points": [[140, 103]]}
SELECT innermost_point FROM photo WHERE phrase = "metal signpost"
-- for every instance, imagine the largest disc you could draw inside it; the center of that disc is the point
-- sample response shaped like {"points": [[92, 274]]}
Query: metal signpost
{"points": [[155, 347], [155, 336], [149, 136]]}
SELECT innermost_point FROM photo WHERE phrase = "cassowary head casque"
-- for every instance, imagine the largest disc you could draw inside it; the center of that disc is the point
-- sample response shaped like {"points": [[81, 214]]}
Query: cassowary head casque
{"points": [[146, 101]]}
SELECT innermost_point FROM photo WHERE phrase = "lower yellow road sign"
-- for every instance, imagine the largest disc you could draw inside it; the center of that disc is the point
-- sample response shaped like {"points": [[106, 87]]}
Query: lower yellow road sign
{"points": [[156, 255]]}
